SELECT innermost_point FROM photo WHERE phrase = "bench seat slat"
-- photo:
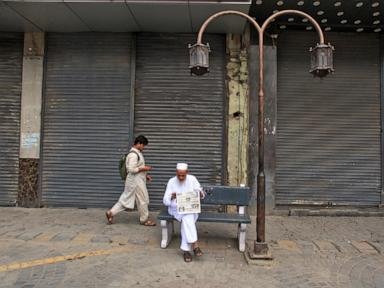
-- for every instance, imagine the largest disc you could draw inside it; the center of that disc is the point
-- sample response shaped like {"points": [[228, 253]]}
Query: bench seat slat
{"points": [[223, 217], [212, 217]]}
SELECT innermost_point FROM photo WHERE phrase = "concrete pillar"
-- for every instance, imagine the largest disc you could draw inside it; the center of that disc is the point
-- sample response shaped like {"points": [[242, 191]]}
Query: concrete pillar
{"points": [[30, 124], [237, 79]]}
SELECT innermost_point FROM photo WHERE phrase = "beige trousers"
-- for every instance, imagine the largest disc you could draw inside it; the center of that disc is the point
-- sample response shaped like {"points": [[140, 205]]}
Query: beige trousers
{"points": [[127, 200]]}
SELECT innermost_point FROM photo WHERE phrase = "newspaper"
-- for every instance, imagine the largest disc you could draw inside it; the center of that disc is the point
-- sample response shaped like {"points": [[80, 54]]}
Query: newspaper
{"points": [[188, 202]]}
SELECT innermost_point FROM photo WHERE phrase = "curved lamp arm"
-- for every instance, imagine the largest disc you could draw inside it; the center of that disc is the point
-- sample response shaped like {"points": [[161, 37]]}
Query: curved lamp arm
{"points": [[257, 26], [305, 15], [227, 12]]}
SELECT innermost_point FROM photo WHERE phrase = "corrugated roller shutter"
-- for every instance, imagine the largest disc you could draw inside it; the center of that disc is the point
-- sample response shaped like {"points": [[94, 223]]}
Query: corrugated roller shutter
{"points": [[86, 118], [182, 115], [328, 134], [11, 59]]}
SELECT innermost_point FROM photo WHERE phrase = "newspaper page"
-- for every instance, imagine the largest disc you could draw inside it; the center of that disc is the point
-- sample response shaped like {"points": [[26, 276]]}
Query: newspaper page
{"points": [[188, 202]]}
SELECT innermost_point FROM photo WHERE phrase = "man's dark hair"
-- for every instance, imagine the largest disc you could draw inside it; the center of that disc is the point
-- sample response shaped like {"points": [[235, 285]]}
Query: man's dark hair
{"points": [[141, 139]]}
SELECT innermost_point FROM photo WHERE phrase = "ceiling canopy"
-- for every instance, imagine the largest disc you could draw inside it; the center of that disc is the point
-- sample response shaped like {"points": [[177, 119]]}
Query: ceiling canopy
{"points": [[332, 15], [119, 15]]}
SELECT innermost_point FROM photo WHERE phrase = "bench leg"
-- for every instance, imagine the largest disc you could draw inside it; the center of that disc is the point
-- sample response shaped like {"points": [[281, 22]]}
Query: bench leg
{"points": [[167, 230], [241, 236]]}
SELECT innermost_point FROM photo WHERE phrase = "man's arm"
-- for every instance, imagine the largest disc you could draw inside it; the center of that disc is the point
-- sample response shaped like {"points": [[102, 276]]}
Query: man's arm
{"points": [[132, 164], [196, 186], [195, 183], [169, 194]]}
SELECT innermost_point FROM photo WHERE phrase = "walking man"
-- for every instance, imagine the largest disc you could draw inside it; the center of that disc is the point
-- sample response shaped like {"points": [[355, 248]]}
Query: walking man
{"points": [[181, 183], [135, 184]]}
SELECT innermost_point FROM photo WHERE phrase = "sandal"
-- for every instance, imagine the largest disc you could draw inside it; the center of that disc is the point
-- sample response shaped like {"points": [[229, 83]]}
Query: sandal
{"points": [[187, 257], [109, 216], [197, 251], [148, 223]]}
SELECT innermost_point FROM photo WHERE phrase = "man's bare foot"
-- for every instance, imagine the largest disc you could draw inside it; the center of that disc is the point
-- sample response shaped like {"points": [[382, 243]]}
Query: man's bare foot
{"points": [[187, 256], [148, 223], [197, 251], [109, 216]]}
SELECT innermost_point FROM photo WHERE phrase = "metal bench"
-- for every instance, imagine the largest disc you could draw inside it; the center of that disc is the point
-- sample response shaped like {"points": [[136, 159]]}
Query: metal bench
{"points": [[216, 195]]}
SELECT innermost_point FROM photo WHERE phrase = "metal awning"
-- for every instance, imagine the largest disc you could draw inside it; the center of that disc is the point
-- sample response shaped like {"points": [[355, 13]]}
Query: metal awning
{"points": [[119, 15], [332, 15]]}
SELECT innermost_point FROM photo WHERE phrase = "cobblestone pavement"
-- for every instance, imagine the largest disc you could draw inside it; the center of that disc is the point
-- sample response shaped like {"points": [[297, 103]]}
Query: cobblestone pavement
{"points": [[76, 248]]}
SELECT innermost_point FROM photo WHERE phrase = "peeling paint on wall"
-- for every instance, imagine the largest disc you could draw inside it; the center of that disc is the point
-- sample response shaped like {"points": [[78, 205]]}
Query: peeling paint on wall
{"points": [[237, 79]]}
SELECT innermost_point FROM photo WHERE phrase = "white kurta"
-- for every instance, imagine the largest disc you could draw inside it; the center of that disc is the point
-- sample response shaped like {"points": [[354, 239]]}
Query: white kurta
{"points": [[188, 221], [135, 186]]}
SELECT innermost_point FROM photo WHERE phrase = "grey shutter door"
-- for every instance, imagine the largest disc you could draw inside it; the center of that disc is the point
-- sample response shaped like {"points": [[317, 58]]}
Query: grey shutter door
{"points": [[182, 115], [11, 59], [86, 118], [328, 134]]}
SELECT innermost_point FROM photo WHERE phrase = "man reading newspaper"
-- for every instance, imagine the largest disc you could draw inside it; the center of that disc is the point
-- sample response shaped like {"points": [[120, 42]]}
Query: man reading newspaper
{"points": [[184, 183]]}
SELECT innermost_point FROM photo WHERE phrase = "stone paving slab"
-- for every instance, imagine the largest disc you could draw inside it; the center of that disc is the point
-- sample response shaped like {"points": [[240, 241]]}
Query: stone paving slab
{"points": [[328, 246], [365, 247], [379, 246], [29, 235]]}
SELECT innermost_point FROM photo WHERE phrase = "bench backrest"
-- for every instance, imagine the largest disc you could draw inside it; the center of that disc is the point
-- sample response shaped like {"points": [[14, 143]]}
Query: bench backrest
{"points": [[227, 195]]}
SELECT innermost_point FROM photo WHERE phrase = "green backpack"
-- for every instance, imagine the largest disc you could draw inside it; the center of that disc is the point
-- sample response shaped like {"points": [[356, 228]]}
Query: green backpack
{"points": [[122, 166]]}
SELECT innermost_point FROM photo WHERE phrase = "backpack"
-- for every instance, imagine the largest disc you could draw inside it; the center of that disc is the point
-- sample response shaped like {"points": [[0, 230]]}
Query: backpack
{"points": [[123, 167]]}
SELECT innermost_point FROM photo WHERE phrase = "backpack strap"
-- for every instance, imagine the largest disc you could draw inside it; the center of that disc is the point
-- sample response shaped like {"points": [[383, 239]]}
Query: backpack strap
{"points": [[137, 154]]}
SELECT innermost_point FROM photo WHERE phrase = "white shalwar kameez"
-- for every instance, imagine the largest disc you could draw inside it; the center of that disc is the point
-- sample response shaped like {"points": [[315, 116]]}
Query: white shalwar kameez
{"points": [[135, 187], [187, 221]]}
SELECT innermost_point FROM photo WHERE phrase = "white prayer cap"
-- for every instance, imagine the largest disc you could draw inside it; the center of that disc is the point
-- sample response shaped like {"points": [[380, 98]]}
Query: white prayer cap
{"points": [[182, 166]]}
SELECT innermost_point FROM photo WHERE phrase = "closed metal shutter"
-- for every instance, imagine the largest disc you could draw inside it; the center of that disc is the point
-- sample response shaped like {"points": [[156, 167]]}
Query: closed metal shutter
{"points": [[328, 134], [86, 118], [182, 115], [11, 59]]}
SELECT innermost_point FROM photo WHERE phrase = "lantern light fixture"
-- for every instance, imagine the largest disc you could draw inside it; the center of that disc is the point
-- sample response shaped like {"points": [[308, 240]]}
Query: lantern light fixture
{"points": [[322, 60], [199, 58]]}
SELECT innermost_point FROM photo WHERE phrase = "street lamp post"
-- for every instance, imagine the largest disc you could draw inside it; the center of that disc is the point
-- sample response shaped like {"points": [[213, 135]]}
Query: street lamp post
{"points": [[321, 65]]}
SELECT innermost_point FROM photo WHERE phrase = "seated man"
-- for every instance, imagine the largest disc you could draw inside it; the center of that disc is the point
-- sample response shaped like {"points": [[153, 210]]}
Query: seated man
{"points": [[181, 183]]}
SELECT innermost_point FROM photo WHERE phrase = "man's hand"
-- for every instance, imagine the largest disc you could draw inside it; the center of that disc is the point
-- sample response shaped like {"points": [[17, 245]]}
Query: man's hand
{"points": [[149, 178], [145, 168], [173, 195]]}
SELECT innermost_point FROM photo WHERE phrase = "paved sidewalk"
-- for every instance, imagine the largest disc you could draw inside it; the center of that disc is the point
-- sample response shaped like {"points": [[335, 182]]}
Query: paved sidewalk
{"points": [[76, 248]]}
